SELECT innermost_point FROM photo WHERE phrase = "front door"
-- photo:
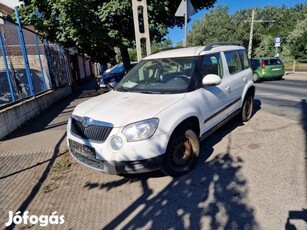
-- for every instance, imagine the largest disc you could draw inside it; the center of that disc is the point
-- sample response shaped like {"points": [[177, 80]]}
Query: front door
{"points": [[213, 100]]}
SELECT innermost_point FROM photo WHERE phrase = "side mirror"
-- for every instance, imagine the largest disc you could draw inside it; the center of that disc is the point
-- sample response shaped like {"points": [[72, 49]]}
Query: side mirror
{"points": [[211, 80]]}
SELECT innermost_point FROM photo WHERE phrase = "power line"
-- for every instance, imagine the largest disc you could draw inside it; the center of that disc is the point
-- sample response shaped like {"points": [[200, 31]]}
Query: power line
{"points": [[250, 44]]}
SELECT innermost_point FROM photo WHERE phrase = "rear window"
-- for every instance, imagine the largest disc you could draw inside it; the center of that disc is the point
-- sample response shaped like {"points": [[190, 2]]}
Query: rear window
{"points": [[272, 62]]}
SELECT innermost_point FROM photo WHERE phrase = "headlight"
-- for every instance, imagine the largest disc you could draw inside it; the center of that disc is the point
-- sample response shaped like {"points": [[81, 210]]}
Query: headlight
{"points": [[141, 130]]}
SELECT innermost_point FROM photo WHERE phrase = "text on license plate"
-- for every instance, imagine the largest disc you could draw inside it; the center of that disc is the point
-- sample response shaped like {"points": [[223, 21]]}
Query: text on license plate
{"points": [[84, 150]]}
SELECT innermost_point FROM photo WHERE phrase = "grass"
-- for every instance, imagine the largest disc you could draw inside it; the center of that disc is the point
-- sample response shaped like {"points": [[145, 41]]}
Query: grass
{"points": [[58, 171], [62, 164]]}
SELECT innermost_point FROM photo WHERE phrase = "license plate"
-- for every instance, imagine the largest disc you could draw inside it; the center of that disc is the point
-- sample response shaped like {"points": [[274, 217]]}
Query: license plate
{"points": [[83, 150], [276, 69]]}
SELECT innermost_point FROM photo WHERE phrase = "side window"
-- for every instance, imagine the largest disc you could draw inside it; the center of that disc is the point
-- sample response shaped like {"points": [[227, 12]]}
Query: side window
{"points": [[212, 64], [243, 59], [233, 61]]}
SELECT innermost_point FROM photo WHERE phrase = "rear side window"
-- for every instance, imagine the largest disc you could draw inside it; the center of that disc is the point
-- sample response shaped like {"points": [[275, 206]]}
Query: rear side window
{"points": [[275, 62], [243, 59], [212, 64], [233, 61]]}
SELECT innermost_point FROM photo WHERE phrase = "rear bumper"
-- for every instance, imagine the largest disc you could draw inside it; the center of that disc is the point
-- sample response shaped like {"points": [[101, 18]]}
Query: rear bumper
{"points": [[276, 74]]}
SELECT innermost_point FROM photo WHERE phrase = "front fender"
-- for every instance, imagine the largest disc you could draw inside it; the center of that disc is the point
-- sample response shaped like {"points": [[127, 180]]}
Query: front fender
{"points": [[173, 116]]}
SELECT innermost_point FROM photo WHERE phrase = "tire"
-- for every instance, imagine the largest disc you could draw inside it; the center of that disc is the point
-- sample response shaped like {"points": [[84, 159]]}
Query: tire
{"points": [[247, 108], [255, 77], [182, 153]]}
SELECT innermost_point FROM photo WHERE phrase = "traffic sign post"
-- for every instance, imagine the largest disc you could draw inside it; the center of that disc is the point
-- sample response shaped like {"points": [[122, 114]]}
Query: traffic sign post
{"points": [[277, 41]]}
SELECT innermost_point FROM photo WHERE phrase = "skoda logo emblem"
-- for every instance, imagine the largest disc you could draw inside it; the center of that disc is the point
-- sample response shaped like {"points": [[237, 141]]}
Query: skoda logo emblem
{"points": [[85, 121]]}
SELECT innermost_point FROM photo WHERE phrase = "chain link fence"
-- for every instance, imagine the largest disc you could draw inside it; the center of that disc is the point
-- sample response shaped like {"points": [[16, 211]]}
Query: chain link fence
{"points": [[29, 65]]}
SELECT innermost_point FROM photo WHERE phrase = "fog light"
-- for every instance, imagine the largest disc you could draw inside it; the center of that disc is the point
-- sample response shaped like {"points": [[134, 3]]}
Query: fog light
{"points": [[116, 142]]}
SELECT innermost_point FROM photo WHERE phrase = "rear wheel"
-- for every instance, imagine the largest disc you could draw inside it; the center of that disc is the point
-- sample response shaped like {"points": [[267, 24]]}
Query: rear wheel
{"points": [[182, 152], [247, 108]]}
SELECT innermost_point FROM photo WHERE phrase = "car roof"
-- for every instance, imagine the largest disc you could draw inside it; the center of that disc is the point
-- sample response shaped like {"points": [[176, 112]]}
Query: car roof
{"points": [[264, 58], [193, 51]]}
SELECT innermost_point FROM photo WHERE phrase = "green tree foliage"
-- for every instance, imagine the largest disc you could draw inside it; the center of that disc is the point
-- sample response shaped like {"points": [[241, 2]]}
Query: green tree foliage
{"points": [[155, 46], [297, 40], [95, 27], [266, 47], [217, 24]]}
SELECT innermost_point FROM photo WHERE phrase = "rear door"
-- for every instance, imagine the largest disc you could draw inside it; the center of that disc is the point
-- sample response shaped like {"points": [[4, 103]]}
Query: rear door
{"points": [[237, 71]]}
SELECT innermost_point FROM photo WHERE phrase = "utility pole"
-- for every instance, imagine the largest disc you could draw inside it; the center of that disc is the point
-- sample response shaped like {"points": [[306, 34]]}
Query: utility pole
{"points": [[185, 24], [140, 17], [185, 10], [250, 44]]}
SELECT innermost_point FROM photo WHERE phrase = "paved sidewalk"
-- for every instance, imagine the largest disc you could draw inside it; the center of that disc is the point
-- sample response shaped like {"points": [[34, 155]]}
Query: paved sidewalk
{"points": [[28, 154]]}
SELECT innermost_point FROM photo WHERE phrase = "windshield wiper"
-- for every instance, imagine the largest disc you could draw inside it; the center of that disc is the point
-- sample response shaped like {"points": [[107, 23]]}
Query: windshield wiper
{"points": [[147, 92], [122, 89]]}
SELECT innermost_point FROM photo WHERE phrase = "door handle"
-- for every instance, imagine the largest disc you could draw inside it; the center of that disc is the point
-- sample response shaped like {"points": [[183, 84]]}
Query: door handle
{"points": [[227, 88]]}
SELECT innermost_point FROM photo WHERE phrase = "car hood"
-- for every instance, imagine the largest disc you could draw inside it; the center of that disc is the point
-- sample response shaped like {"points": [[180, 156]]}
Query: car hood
{"points": [[122, 108]]}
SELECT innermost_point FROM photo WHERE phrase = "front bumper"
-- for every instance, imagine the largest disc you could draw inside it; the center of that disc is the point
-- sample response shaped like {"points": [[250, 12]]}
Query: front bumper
{"points": [[88, 159]]}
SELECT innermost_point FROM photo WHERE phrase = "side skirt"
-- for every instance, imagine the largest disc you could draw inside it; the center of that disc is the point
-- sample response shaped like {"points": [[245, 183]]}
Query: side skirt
{"points": [[219, 125]]}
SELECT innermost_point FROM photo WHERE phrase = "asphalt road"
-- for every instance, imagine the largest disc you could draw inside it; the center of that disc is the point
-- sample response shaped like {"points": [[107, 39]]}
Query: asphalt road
{"points": [[286, 97]]}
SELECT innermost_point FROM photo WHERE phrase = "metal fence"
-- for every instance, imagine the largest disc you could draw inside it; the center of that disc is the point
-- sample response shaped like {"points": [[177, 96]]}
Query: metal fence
{"points": [[29, 65], [299, 65]]}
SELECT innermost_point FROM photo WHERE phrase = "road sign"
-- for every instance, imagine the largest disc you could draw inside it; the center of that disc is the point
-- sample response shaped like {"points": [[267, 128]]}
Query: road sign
{"points": [[277, 41], [185, 8]]}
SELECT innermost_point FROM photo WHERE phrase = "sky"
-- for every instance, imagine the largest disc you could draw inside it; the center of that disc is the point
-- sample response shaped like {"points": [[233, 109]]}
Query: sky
{"points": [[177, 34]]}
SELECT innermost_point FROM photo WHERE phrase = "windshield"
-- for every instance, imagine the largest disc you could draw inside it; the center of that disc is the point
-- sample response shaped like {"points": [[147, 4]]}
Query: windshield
{"points": [[168, 75]]}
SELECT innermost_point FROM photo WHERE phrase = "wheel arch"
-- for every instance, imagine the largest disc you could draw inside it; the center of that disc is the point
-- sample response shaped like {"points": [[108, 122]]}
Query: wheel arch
{"points": [[191, 122], [251, 90]]}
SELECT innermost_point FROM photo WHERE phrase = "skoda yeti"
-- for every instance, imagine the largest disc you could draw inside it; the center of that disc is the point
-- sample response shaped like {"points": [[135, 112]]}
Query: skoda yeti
{"points": [[157, 115]]}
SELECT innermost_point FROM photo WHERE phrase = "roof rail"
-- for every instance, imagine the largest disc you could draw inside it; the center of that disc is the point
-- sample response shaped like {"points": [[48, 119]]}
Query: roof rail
{"points": [[209, 46], [165, 49]]}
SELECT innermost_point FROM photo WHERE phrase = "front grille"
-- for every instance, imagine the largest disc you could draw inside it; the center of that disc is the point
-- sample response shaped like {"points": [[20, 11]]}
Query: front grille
{"points": [[91, 132]]}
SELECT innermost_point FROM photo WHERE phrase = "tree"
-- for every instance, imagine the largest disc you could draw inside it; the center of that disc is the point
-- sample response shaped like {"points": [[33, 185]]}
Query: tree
{"points": [[95, 27], [73, 24], [266, 47], [288, 23], [217, 25], [297, 40]]}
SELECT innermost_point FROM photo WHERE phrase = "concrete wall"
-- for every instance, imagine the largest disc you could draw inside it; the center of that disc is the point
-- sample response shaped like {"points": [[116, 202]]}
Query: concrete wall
{"points": [[13, 117]]}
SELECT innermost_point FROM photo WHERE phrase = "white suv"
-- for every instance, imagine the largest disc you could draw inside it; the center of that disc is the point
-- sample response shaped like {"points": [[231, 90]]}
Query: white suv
{"points": [[159, 112]]}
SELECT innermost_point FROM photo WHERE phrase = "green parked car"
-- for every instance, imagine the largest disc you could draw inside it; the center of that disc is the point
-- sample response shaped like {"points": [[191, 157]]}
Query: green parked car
{"points": [[265, 68]]}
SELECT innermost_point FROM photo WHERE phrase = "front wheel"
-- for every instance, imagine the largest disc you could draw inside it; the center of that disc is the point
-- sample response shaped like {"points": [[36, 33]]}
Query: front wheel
{"points": [[247, 108], [182, 153]]}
